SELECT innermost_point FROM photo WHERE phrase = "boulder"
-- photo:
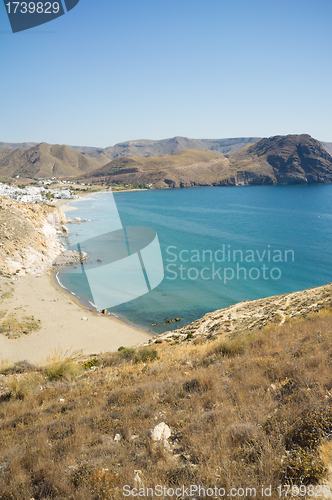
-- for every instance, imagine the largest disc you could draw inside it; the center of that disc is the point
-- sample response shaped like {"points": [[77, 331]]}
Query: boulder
{"points": [[161, 432]]}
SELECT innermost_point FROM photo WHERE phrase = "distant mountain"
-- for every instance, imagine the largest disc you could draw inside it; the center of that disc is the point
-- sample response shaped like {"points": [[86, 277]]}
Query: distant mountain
{"points": [[14, 145], [146, 148], [44, 160], [7, 147], [291, 159]]}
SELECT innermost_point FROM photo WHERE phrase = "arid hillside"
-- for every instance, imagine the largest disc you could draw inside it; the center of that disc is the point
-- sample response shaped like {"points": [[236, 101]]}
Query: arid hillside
{"points": [[146, 148], [254, 314], [101, 156], [251, 409], [182, 169], [43, 161]]}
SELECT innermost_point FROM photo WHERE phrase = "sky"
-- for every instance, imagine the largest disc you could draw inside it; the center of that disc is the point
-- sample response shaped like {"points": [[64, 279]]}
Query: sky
{"points": [[111, 71]]}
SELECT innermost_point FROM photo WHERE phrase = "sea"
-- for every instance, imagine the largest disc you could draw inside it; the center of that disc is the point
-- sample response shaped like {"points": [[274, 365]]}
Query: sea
{"points": [[219, 246]]}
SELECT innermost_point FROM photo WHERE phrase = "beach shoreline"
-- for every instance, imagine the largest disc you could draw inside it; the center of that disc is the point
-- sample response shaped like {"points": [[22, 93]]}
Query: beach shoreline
{"points": [[66, 322], [86, 304], [64, 207], [65, 202]]}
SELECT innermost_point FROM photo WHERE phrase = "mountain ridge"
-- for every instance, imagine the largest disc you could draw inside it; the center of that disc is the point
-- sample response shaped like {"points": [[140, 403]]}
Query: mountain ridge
{"points": [[292, 159], [147, 147], [275, 160]]}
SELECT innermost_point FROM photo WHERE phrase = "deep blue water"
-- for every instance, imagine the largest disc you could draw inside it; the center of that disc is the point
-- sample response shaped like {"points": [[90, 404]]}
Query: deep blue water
{"points": [[262, 224]]}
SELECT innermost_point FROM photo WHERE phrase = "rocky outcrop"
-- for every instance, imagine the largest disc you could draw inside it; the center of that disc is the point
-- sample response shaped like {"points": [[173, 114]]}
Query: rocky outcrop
{"points": [[247, 178], [253, 314]]}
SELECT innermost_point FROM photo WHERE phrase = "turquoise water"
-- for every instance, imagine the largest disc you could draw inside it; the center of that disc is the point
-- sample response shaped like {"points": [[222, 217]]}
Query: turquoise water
{"points": [[281, 235]]}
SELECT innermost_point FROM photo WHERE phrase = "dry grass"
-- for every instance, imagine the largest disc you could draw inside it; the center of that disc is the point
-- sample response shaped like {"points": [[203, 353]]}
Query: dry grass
{"points": [[238, 411], [62, 364]]}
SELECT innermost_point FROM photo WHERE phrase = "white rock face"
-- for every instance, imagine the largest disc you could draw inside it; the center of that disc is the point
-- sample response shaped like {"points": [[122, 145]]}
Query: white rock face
{"points": [[161, 432]]}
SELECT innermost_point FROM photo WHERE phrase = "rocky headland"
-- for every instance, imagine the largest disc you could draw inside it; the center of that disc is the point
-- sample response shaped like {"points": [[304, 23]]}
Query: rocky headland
{"points": [[251, 315]]}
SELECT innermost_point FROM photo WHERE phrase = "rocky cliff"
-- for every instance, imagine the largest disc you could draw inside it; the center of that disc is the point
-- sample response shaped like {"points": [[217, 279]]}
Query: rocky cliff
{"points": [[28, 236]]}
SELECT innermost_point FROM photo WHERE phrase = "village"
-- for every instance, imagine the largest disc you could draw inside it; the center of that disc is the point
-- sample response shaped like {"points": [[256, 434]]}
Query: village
{"points": [[40, 193]]}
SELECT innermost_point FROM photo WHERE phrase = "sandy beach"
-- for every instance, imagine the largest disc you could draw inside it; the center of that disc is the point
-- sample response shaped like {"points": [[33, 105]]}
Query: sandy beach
{"points": [[62, 325]]}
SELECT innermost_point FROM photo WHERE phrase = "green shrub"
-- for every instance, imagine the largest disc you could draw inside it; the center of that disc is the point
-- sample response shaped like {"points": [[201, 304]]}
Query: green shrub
{"points": [[126, 352], [230, 348], [90, 363], [301, 467], [145, 355], [310, 428]]}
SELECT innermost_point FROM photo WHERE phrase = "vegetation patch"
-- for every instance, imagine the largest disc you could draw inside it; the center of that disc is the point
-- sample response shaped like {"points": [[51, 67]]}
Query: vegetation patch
{"points": [[241, 411]]}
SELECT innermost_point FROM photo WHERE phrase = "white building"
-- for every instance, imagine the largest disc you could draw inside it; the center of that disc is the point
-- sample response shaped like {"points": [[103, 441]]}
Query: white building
{"points": [[34, 194]]}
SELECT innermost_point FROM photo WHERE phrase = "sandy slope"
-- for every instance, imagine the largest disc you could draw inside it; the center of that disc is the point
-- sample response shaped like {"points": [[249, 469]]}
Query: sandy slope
{"points": [[62, 324]]}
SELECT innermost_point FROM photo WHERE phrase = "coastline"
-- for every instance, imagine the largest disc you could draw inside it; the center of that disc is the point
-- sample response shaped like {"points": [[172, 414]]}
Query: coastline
{"points": [[66, 323], [64, 207]]}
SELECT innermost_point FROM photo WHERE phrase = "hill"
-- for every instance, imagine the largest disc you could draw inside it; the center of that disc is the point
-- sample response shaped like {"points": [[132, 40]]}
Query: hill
{"points": [[255, 314], [181, 169], [239, 411], [292, 159], [44, 160], [145, 148]]}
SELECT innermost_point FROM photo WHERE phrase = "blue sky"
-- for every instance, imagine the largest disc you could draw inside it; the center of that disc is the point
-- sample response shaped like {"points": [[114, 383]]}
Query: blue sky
{"points": [[111, 71]]}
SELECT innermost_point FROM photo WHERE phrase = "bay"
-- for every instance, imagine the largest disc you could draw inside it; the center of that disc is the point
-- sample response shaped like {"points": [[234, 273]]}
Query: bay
{"points": [[281, 236]]}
